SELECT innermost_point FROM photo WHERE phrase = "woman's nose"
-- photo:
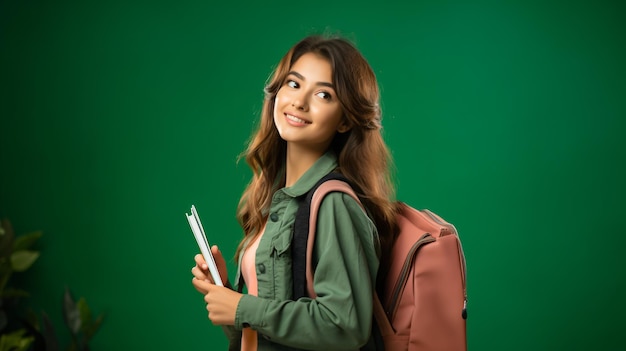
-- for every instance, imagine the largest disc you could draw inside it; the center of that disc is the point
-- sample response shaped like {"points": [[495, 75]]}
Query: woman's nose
{"points": [[299, 102]]}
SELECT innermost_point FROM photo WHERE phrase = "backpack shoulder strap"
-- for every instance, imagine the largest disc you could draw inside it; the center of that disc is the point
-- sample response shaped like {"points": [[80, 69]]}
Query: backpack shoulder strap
{"points": [[326, 188], [302, 229], [304, 238]]}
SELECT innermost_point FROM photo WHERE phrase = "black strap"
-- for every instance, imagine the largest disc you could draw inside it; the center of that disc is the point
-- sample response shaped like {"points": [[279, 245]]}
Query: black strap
{"points": [[301, 234]]}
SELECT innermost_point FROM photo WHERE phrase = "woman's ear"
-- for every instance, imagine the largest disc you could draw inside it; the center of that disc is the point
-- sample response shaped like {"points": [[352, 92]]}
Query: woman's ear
{"points": [[344, 126]]}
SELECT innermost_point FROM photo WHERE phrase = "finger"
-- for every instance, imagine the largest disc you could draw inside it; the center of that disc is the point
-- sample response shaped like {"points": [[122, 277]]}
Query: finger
{"points": [[198, 273], [203, 284], [200, 262], [199, 288], [209, 315]]}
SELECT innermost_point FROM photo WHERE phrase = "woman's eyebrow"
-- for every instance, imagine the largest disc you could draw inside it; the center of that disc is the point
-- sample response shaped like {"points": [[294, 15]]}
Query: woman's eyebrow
{"points": [[301, 77]]}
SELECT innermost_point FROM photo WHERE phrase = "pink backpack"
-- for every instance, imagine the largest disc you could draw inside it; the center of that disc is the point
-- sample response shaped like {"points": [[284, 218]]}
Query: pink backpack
{"points": [[424, 303]]}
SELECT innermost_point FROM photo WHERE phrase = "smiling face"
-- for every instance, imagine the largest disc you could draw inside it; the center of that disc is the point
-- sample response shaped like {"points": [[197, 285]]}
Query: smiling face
{"points": [[307, 112]]}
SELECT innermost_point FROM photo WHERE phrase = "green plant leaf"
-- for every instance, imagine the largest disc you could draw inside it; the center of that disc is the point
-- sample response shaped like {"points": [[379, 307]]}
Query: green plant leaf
{"points": [[32, 319], [16, 341], [71, 313], [26, 241], [94, 327], [85, 313], [15, 293], [89, 325], [23, 259]]}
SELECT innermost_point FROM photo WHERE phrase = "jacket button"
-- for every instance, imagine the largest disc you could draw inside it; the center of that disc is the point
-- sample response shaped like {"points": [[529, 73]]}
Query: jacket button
{"points": [[261, 268], [274, 217]]}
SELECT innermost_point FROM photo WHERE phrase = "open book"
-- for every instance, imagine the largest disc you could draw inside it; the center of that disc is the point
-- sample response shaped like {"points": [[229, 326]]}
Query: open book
{"points": [[205, 249]]}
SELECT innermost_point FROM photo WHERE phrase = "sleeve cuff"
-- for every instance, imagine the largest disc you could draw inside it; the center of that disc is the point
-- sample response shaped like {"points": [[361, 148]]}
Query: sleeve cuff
{"points": [[250, 311]]}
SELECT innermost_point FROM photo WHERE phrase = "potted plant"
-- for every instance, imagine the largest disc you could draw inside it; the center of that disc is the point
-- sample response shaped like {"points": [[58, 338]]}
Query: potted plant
{"points": [[21, 330]]}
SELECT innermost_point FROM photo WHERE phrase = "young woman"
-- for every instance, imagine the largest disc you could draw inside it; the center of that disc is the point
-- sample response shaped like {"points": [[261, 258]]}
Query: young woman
{"points": [[321, 113]]}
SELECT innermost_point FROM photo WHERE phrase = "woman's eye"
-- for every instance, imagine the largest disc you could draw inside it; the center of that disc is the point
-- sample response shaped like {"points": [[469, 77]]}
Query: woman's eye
{"points": [[292, 84], [324, 95]]}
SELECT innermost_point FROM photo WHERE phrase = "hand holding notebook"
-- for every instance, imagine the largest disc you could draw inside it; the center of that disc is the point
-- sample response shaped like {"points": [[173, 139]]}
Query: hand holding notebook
{"points": [[203, 244]]}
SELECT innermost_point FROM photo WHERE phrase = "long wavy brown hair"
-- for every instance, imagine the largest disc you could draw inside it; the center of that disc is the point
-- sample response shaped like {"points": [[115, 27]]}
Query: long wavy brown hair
{"points": [[363, 156]]}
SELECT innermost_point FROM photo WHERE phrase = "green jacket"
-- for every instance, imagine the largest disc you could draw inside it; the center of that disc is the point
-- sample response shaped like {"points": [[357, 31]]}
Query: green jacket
{"points": [[345, 260]]}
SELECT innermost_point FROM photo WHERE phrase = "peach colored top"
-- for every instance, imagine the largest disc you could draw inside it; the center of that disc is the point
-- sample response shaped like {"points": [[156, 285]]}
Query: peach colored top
{"points": [[248, 270]]}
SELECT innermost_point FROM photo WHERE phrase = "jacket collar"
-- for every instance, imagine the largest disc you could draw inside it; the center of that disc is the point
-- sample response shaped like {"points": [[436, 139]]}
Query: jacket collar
{"points": [[320, 168]]}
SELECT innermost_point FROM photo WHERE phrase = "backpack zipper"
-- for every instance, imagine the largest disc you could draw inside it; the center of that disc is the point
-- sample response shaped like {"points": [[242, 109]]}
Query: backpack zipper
{"points": [[404, 273]]}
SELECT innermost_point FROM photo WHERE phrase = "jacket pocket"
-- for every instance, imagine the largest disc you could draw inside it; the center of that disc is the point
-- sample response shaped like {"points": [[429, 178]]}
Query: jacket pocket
{"points": [[282, 266], [281, 245]]}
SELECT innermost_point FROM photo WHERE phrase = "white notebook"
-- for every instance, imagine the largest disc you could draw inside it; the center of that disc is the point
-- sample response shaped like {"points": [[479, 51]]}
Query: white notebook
{"points": [[203, 244]]}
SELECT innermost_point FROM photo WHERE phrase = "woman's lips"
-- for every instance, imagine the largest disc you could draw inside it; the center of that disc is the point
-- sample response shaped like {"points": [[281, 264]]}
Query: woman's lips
{"points": [[296, 120]]}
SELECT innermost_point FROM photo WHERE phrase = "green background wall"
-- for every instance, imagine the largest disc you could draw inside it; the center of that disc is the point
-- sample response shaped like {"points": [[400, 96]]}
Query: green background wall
{"points": [[505, 117]]}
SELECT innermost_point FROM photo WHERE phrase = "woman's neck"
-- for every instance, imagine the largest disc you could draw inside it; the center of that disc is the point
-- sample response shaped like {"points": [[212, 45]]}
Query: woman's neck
{"points": [[299, 160]]}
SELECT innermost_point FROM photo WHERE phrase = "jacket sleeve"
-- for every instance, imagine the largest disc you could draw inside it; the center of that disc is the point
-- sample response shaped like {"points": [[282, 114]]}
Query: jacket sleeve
{"points": [[345, 265]]}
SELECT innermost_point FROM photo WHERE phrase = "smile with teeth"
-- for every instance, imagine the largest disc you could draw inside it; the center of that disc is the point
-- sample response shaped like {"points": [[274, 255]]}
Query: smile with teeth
{"points": [[296, 119]]}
